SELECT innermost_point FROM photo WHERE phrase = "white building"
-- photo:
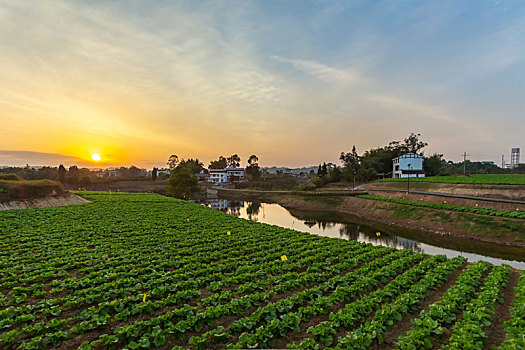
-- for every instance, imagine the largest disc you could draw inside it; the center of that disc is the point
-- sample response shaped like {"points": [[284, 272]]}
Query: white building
{"points": [[163, 171], [226, 175], [408, 165]]}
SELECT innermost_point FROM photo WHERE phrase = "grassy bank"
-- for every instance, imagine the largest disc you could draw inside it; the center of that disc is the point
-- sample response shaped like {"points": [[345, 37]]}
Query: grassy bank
{"points": [[459, 208], [487, 179], [29, 189]]}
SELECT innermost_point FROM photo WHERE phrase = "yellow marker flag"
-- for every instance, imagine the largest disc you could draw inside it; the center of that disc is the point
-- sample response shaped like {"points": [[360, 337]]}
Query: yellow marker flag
{"points": [[378, 234], [144, 298], [229, 233], [284, 258], [188, 220]]}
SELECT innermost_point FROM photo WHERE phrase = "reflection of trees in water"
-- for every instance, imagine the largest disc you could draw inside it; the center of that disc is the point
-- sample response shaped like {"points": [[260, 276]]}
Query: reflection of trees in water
{"points": [[349, 231], [252, 210], [353, 232], [235, 211], [310, 223], [324, 225]]}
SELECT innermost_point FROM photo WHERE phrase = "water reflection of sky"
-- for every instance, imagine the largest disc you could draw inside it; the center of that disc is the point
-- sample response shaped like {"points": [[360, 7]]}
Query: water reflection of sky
{"points": [[276, 215]]}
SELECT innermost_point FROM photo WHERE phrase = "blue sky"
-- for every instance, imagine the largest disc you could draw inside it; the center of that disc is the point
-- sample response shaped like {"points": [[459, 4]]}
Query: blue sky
{"points": [[295, 82]]}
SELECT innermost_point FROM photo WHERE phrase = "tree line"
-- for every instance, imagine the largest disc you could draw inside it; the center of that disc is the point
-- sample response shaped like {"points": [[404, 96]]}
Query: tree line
{"points": [[377, 162], [184, 184]]}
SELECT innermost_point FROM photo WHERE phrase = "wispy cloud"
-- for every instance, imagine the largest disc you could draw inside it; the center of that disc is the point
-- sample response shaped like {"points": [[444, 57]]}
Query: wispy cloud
{"points": [[324, 72]]}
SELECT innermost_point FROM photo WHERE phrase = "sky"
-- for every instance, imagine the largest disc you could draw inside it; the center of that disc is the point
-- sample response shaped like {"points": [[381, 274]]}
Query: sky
{"points": [[294, 82]]}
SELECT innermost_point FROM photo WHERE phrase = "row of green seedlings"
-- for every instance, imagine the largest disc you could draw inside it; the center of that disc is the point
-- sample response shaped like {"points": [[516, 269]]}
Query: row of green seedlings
{"points": [[468, 331], [106, 286], [515, 326], [54, 268], [372, 331], [402, 295], [431, 322], [177, 323], [460, 208], [84, 290], [96, 317], [97, 320], [27, 241], [55, 265], [277, 320]]}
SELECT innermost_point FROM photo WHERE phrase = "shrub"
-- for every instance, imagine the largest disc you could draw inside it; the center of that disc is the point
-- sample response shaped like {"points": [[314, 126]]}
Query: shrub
{"points": [[12, 177], [29, 189]]}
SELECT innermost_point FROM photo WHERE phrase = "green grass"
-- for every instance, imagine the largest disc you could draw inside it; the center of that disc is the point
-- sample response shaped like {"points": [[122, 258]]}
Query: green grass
{"points": [[459, 208], [146, 271], [487, 179]]}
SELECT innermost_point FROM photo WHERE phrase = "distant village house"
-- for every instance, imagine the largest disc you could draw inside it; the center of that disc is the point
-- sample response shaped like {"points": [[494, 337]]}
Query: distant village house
{"points": [[220, 176], [163, 171]]}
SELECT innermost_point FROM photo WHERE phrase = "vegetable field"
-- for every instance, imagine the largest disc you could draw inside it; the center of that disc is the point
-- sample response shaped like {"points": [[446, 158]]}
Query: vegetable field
{"points": [[481, 179], [140, 271]]}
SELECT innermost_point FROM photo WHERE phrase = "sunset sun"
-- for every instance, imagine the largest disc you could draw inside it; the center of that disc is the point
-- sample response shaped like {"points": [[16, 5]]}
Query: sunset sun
{"points": [[96, 157]]}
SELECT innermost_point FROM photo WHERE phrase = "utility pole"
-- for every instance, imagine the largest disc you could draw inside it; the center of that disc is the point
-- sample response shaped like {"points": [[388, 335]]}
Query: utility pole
{"points": [[503, 161], [464, 163], [408, 179]]}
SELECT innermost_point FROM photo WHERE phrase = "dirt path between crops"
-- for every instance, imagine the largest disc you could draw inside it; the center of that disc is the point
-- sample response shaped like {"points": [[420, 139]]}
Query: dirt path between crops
{"points": [[403, 326], [46, 202], [495, 333]]}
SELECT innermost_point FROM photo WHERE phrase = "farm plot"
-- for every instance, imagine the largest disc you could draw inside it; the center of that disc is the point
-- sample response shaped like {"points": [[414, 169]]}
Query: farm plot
{"points": [[141, 271], [476, 179], [459, 208]]}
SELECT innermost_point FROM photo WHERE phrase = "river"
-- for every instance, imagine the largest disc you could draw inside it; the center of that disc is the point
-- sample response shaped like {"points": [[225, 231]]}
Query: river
{"points": [[346, 227]]}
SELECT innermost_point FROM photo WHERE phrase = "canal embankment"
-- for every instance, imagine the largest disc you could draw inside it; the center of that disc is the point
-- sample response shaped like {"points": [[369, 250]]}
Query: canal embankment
{"points": [[508, 232]]}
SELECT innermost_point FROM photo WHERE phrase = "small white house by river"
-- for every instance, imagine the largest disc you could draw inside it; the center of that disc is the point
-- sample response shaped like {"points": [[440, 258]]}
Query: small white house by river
{"points": [[226, 175], [408, 165]]}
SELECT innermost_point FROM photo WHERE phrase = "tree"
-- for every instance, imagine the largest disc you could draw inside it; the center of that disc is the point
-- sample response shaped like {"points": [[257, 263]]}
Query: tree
{"points": [[432, 165], [173, 160], [233, 161], [324, 170], [253, 169], [154, 174], [62, 173], [253, 159], [218, 164], [351, 163], [193, 165], [183, 184], [414, 145], [73, 175]]}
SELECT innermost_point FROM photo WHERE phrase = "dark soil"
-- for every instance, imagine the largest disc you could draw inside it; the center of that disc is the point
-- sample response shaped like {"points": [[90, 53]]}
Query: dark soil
{"points": [[495, 333], [402, 327]]}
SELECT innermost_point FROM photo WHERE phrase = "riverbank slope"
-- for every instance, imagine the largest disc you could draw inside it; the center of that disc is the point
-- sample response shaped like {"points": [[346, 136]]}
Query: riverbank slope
{"points": [[442, 223]]}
